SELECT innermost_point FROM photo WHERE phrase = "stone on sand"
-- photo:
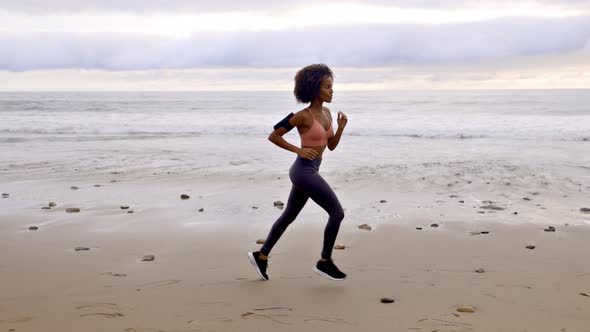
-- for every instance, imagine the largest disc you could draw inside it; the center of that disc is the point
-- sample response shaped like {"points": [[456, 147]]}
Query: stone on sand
{"points": [[260, 241], [81, 248], [184, 196], [339, 247], [72, 210], [365, 227], [148, 258]]}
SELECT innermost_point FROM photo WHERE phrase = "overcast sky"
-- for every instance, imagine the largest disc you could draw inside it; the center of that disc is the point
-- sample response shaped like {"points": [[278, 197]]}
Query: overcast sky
{"points": [[455, 44]]}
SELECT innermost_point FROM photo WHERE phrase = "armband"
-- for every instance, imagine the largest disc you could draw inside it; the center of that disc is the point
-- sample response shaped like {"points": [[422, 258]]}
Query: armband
{"points": [[285, 123]]}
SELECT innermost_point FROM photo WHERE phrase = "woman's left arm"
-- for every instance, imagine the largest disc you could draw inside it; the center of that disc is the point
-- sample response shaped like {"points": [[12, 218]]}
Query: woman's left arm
{"points": [[342, 120]]}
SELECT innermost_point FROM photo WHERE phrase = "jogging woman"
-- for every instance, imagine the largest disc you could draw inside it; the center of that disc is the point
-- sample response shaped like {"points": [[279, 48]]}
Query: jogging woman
{"points": [[313, 85]]}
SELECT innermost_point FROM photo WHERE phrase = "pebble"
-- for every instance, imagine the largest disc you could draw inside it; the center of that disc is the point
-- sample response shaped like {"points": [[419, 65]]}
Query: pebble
{"points": [[515, 213], [480, 271], [461, 201], [129, 211], [382, 201], [81, 248], [434, 225], [255, 207], [466, 309], [526, 199], [492, 207], [278, 204], [585, 210], [72, 210], [485, 232], [184, 196], [201, 210], [387, 300], [74, 188], [550, 229], [148, 258], [339, 247], [530, 247], [46, 208], [52, 204], [124, 207], [260, 241], [419, 228], [365, 227], [5, 195], [97, 185], [33, 228]]}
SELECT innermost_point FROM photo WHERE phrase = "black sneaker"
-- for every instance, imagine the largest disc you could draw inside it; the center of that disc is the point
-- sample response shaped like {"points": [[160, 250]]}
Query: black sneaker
{"points": [[259, 264], [329, 270]]}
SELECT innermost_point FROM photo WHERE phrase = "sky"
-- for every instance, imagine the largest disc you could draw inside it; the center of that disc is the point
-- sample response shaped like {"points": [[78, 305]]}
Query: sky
{"points": [[260, 44]]}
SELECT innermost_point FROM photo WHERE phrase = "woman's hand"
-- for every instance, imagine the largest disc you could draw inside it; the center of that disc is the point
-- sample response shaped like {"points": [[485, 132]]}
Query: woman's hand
{"points": [[307, 153], [342, 120]]}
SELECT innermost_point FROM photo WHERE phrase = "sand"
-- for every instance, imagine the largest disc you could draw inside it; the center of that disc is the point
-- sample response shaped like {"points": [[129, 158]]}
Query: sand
{"points": [[201, 279]]}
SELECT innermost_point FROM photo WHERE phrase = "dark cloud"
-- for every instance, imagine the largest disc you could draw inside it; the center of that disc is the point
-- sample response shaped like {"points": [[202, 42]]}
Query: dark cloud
{"points": [[43, 6], [364, 46]]}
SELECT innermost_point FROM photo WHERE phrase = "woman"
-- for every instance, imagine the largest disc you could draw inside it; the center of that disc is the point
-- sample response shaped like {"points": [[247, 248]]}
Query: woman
{"points": [[313, 84]]}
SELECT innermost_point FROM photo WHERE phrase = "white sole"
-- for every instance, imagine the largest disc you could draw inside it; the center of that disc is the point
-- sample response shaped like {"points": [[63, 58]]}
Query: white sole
{"points": [[325, 275], [253, 261]]}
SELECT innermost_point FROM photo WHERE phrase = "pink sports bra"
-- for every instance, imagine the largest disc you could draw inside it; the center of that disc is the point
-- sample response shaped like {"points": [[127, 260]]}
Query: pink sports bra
{"points": [[317, 135]]}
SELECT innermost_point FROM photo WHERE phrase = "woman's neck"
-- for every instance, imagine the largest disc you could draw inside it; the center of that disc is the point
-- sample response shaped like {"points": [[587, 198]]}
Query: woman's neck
{"points": [[316, 105]]}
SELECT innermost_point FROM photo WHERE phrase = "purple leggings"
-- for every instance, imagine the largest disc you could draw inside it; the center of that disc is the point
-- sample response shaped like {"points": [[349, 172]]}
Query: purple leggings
{"points": [[308, 183]]}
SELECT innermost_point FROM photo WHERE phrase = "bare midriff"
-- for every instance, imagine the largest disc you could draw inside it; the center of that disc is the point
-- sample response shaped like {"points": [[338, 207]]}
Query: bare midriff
{"points": [[318, 149]]}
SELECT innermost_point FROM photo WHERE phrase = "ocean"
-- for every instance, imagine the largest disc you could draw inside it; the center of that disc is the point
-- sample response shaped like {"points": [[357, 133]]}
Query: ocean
{"points": [[45, 134]]}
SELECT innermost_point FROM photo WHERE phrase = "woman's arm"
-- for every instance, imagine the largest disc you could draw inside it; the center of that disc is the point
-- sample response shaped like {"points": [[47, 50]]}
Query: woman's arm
{"points": [[342, 120], [277, 138]]}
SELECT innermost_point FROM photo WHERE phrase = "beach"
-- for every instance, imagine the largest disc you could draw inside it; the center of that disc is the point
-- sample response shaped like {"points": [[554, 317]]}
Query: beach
{"points": [[451, 214]]}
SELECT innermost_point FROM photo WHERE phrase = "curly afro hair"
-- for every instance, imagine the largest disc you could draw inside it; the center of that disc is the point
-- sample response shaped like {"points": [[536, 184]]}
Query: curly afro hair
{"points": [[308, 81]]}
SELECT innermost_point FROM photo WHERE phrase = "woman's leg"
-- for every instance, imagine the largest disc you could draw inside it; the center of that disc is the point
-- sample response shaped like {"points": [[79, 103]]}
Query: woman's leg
{"points": [[320, 192], [297, 199]]}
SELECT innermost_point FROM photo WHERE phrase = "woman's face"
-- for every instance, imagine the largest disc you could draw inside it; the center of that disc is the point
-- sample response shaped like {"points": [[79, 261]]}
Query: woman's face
{"points": [[326, 90]]}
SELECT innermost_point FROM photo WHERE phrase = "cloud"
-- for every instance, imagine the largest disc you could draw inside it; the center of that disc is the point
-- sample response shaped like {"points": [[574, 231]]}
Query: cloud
{"points": [[364, 46], [40, 6]]}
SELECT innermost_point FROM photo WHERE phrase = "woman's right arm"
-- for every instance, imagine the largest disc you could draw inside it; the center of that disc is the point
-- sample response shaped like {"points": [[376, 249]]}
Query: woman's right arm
{"points": [[277, 138]]}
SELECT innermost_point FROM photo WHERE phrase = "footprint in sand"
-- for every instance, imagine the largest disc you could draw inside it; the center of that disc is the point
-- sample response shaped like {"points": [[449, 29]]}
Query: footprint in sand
{"points": [[447, 323], [275, 314], [105, 310]]}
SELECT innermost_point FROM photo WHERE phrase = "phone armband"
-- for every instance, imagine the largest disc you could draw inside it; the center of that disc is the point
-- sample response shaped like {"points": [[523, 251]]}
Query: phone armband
{"points": [[285, 123]]}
